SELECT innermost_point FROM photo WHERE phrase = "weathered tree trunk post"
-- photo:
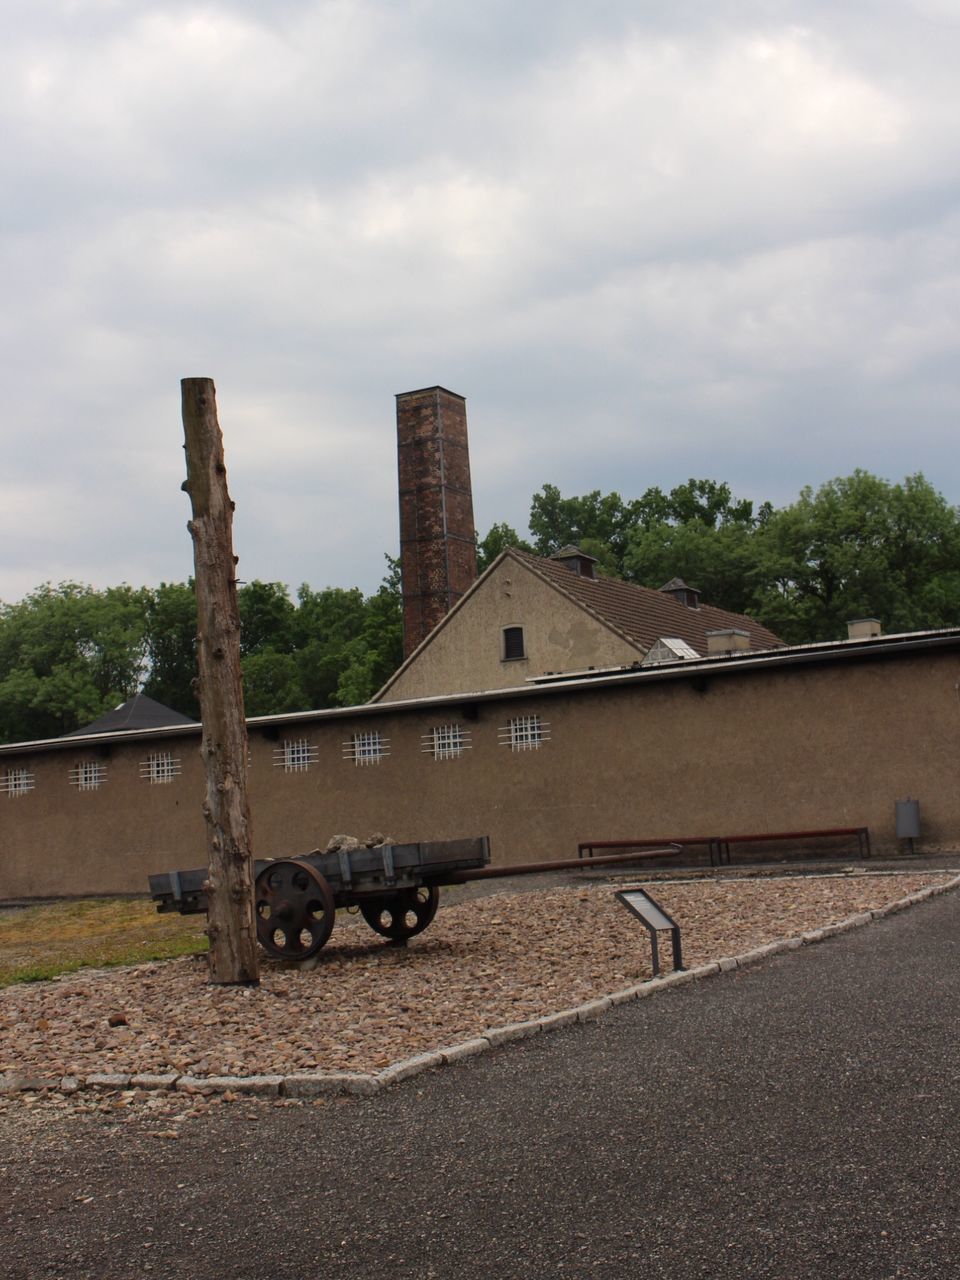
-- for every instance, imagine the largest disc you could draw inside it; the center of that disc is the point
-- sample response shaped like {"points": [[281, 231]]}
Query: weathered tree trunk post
{"points": [[231, 925]]}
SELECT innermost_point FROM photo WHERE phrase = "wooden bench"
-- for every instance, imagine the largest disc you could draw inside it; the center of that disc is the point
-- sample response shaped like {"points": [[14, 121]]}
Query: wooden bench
{"points": [[718, 847]]}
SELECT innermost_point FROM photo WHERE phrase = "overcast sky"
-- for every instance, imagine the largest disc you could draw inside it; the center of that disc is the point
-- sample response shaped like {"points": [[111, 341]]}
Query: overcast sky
{"points": [[646, 242]]}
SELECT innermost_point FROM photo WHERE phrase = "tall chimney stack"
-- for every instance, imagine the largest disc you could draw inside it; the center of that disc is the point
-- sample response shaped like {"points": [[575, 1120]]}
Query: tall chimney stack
{"points": [[438, 546]]}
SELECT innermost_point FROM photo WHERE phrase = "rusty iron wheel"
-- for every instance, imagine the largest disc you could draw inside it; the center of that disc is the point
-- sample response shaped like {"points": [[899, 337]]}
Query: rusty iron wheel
{"points": [[399, 916], [294, 908]]}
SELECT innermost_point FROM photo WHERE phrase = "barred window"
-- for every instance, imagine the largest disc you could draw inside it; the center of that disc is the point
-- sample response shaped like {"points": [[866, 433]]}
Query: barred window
{"points": [[524, 733], [88, 775], [446, 741], [366, 748], [295, 755], [16, 781], [159, 767]]}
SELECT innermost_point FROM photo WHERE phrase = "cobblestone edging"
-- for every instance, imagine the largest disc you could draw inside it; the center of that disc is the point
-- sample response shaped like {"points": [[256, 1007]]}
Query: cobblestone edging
{"points": [[339, 1083]]}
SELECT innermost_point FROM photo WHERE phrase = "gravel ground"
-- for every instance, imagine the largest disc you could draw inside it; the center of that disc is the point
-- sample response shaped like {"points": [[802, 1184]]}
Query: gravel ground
{"points": [[485, 962], [792, 1121]]}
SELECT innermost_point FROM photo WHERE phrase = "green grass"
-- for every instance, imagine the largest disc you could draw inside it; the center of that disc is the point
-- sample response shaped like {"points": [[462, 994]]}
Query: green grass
{"points": [[44, 941]]}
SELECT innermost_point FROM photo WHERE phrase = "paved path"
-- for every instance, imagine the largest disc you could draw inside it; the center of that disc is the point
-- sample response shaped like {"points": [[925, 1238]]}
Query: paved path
{"points": [[801, 1119]]}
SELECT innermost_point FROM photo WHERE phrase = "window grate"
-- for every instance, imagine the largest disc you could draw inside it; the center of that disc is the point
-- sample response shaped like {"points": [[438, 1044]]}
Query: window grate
{"points": [[160, 767], [295, 755], [16, 782], [524, 733], [88, 775], [446, 741], [366, 748]]}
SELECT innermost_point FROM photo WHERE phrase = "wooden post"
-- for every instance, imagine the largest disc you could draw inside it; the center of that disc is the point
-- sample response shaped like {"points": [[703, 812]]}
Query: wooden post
{"points": [[231, 925]]}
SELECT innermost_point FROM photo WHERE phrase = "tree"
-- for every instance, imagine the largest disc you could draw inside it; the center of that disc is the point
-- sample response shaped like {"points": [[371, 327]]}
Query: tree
{"points": [[499, 537], [720, 562], [68, 654], [267, 617], [377, 652], [171, 643], [607, 527], [860, 547], [326, 622], [603, 521], [231, 923]]}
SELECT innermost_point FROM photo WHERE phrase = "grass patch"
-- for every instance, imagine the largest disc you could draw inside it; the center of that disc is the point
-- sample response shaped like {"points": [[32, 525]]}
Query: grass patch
{"points": [[61, 937]]}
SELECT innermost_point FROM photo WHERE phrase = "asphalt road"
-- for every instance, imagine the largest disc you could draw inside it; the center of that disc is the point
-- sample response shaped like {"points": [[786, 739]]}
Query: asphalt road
{"points": [[800, 1119]]}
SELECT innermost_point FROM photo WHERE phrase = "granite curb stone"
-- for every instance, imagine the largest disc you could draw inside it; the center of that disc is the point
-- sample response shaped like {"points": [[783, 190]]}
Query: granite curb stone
{"points": [[466, 1049], [321, 1084], [408, 1067], [512, 1031], [562, 1018], [593, 1009]]}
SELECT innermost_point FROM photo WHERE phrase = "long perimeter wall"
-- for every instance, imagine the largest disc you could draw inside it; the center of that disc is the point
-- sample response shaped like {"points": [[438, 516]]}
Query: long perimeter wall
{"points": [[764, 750]]}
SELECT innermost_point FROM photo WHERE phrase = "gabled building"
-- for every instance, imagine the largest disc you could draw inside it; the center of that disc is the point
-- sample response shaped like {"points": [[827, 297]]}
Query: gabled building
{"points": [[528, 616]]}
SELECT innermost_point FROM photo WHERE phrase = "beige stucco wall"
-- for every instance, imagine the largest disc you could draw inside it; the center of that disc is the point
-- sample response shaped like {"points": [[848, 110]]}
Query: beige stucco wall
{"points": [[795, 748], [464, 654]]}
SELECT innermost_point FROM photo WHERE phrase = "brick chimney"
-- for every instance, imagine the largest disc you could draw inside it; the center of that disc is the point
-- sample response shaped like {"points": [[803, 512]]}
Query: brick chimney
{"points": [[438, 548]]}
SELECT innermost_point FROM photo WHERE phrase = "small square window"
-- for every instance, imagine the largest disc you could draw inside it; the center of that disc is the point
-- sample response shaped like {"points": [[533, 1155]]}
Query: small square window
{"points": [[88, 775], [16, 782], [160, 767], [524, 733], [446, 741], [366, 748], [513, 644], [295, 755]]}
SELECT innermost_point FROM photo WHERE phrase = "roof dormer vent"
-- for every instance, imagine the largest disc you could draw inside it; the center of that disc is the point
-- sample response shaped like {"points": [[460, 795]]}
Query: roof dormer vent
{"points": [[576, 561], [677, 588]]}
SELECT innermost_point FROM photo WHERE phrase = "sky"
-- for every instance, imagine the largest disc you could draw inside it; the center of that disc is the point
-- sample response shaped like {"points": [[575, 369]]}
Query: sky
{"points": [[645, 241]]}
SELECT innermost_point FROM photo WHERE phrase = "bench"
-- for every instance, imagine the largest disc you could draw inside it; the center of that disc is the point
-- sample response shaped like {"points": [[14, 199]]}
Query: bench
{"points": [[586, 847], [718, 847], [721, 844]]}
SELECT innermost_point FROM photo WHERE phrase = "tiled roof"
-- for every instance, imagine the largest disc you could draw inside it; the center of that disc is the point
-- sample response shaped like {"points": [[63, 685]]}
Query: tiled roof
{"points": [[644, 615]]}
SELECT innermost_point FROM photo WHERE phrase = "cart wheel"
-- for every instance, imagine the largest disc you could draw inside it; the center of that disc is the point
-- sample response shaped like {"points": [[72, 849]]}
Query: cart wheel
{"points": [[294, 908], [399, 916]]}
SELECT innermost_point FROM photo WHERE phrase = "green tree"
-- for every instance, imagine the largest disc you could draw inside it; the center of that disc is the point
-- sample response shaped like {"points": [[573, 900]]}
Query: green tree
{"points": [[499, 537], [860, 547], [68, 654], [376, 653], [326, 622], [607, 527], [267, 617], [595, 522], [171, 639], [272, 684], [720, 562]]}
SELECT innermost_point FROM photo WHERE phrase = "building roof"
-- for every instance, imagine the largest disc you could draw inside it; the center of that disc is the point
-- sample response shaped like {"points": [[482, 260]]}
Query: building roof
{"points": [[138, 712], [906, 645], [642, 614]]}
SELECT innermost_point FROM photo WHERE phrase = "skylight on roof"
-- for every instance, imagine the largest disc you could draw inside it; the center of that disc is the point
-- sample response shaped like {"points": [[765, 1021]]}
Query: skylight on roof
{"points": [[669, 649]]}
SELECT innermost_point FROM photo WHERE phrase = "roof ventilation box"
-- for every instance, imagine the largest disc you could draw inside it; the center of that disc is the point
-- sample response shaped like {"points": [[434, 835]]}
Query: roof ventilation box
{"points": [[731, 640], [863, 629]]}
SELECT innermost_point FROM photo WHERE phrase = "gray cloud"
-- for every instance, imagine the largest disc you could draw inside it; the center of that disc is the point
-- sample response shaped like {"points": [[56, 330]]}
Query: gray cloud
{"points": [[720, 240]]}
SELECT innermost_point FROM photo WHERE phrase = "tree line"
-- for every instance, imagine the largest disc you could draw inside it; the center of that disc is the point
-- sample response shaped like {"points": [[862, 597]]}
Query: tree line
{"points": [[858, 546], [69, 653]]}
